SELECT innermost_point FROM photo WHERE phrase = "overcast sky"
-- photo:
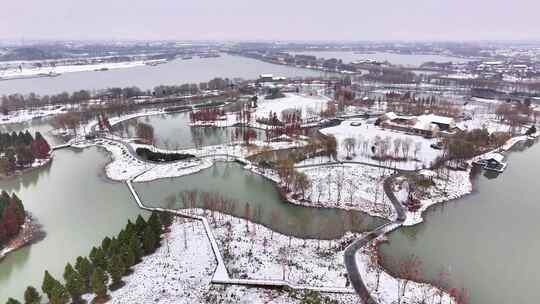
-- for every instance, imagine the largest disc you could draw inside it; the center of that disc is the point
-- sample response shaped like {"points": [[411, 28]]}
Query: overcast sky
{"points": [[271, 20]]}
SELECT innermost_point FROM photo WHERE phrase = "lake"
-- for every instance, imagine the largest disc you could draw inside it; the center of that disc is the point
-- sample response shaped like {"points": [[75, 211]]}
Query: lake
{"points": [[486, 241], [175, 72]]}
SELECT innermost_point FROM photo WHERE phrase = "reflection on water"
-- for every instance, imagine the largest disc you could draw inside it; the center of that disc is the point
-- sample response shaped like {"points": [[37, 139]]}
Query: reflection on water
{"points": [[172, 131], [77, 207], [250, 195], [486, 241]]}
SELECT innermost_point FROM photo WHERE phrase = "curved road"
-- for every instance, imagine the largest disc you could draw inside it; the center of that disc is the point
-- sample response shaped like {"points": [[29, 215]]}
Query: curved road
{"points": [[350, 252]]}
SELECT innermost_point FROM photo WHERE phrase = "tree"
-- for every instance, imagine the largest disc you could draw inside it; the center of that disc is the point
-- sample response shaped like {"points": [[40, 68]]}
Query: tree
{"points": [[116, 269], [349, 144], [84, 267], [98, 283], [128, 256], [97, 256], [150, 240], [155, 223], [59, 294], [75, 284], [48, 284], [31, 296], [12, 301]]}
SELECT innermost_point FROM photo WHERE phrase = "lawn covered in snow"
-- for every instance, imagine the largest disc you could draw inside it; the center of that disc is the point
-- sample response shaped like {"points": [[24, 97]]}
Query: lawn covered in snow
{"points": [[311, 106], [419, 154]]}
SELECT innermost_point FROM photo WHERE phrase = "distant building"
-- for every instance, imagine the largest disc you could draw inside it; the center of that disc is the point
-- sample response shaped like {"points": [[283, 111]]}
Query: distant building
{"points": [[425, 125]]}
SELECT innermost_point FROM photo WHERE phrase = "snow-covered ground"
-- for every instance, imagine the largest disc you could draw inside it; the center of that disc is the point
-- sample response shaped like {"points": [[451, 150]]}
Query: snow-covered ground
{"points": [[181, 269], [26, 115], [311, 106], [420, 154], [384, 288], [349, 186], [33, 72]]}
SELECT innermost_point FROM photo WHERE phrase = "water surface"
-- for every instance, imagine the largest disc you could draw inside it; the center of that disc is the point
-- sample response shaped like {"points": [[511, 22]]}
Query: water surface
{"points": [[486, 241]]}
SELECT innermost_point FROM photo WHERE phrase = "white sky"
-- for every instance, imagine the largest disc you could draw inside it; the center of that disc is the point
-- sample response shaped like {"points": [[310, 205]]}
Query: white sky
{"points": [[271, 20]]}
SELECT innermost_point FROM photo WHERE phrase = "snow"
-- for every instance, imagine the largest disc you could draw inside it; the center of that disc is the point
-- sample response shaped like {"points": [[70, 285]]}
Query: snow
{"points": [[361, 188], [178, 272], [367, 133], [33, 72], [26, 115], [387, 291], [310, 106]]}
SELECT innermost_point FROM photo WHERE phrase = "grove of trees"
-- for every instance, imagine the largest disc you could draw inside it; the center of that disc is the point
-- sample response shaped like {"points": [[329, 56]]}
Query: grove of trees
{"points": [[104, 268], [12, 217], [19, 150]]}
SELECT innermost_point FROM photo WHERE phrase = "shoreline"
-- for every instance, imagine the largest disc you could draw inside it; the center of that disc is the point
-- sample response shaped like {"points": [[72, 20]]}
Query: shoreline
{"points": [[31, 233], [18, 173]]}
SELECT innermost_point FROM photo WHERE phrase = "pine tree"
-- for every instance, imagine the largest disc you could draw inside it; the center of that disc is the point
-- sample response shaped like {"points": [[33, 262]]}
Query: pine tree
{"points": [[116, 269], [150, 240], [105, 244], [48, 284], [155, 224], [31, 296], [136, 247], [75, 286], [59, 294], [84, 267], [98, 283], [128, 256], [97, 256], [140, 225]]}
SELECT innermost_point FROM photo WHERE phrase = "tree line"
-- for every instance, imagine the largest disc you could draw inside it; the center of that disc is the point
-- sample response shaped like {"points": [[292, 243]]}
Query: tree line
{"points": [[18, 101], [105, 266], [19, 150], [12, 217]]}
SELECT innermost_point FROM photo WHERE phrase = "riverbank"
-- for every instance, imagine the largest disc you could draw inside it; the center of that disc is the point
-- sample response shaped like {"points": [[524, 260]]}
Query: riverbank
{"points": [[38, 163], [31, 232]]}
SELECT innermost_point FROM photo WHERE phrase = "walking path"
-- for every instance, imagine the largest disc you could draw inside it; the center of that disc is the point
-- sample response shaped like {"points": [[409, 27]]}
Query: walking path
{"points": [[351, 250], [221, 276]]}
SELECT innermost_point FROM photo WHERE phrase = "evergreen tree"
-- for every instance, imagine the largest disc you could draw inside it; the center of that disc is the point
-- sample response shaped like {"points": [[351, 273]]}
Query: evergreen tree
{"points": [[84, 267], [48, 284], [12, 301], [31, 296], [150, 240], [140, 225], [116, 269], [155, 224], [136, 247], [98, 283], [97, 256], [106, 243], [128, 256], [59, 294], [75, 286]]}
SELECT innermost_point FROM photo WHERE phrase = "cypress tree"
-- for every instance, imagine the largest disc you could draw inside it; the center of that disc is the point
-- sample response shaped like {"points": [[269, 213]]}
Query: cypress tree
{"points": [[97, 283], [31, 296]]}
